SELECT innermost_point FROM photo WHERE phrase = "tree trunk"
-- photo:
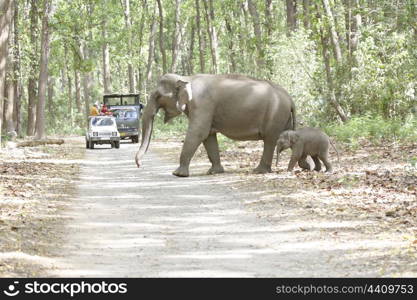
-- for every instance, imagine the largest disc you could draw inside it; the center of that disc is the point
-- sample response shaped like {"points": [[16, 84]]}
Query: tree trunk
{"points": [[128, 26], [106, 59], [42, 142], [87, 82], [51, 88], [161, 37], [201, 45], [151, 51], [140, 82], [5, 21], [333, 33], [258, 35], [175, 37], [355, 28], [306, 14], [17, 72], [32, 86], [69, 84], [291, 16], [190, 64], [43, 74], [231, 51], [268, 18], [9, 100], [211, 30], [88, 76], [77, 85], [330, 85]]}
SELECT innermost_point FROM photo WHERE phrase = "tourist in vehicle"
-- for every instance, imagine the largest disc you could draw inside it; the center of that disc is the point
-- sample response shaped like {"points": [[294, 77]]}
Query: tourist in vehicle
{"points": [[104, 110], [94, 110]]}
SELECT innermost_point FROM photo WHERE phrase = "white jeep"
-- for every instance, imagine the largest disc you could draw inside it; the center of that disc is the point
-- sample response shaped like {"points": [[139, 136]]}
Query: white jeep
{"points": [[102, 130]]}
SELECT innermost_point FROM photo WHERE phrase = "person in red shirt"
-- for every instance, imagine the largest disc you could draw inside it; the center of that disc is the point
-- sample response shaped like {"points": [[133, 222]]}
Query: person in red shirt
{"points": [[104, 109]]}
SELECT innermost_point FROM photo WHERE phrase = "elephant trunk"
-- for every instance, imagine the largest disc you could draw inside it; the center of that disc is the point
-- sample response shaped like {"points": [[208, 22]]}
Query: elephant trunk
{"points": [[279, 150], [147, 125]]}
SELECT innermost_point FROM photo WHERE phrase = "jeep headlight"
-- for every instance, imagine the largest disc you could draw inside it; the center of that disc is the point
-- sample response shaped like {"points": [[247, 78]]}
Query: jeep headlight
{"points": [[95, 133], [114, 133]]}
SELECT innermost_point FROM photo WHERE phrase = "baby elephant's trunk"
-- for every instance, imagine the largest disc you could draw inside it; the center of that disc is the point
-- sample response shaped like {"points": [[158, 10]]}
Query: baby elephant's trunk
{"points": [[278, 152]]}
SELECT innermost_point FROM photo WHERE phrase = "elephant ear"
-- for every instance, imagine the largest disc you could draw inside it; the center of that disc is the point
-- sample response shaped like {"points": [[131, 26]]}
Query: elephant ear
{"points": [[187, 86], [293, 137]]}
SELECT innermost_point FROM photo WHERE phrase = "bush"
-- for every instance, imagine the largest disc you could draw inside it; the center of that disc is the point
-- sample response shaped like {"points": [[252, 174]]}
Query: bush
{"points": [[375, 129]]}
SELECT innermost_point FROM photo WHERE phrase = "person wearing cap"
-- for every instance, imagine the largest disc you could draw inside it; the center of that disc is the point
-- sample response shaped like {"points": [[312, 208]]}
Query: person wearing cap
{"points": [[94, 110]]}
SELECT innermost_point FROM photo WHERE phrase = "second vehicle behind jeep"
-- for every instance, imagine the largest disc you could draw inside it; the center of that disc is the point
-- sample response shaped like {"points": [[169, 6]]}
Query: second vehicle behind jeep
{"points": [[127, 110]]}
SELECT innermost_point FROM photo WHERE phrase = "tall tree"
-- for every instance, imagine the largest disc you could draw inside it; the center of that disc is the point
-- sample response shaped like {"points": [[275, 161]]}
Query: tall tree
{"points": [[77, 85], [161, 37], [5, 21], [43, 73], [151, 50], [128, 26], [106, 58], [32, 85], [333, 33], [212, 34], [253, 10], [291, 16], [175, 36], [17, 83], [201, 43], [9, 101]]}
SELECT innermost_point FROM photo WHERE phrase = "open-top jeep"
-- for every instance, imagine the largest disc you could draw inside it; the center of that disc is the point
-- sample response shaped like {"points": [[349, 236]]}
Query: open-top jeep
{"points": [[102, 130]]}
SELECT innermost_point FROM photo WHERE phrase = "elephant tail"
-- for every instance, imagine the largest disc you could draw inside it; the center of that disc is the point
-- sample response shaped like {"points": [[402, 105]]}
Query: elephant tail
{"points": [[293, 117]]}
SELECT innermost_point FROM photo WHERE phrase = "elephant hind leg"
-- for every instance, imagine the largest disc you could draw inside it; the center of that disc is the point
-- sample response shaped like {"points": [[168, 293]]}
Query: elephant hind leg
{"points": [[212, 148], [302, 162], [266, 160], [317, 163], [326, 162]]}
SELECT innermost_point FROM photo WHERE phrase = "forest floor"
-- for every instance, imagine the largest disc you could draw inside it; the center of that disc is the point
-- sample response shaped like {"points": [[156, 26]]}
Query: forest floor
{"points": [[70, 212], [34, 190]]}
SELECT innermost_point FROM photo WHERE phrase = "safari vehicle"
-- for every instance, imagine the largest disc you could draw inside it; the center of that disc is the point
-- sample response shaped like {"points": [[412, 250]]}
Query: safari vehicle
{"points": [[102, 130], [127, 109]]}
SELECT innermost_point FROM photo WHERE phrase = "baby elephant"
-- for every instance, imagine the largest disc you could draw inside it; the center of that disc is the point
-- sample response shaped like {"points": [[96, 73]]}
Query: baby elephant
{"points": [[303, 142]]}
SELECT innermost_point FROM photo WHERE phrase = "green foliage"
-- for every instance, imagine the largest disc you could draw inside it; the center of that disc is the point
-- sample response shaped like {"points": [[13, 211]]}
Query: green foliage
{"points": [[175, 128], [294, 61], [374, 129], [378, 78], [384, 80]]}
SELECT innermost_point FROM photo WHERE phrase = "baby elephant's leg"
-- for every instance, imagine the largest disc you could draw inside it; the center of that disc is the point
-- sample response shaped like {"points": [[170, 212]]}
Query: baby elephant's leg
{"points": [[317, 163], [303, 163], [326, 162], [297, 152]]}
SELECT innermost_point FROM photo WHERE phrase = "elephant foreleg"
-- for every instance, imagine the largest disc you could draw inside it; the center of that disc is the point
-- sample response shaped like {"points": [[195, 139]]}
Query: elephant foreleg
{"points": [[195, 136], [212, 148]]}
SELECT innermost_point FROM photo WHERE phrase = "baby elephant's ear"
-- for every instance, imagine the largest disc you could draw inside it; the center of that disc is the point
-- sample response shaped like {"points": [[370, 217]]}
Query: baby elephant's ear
{"points": [[293, 137]]}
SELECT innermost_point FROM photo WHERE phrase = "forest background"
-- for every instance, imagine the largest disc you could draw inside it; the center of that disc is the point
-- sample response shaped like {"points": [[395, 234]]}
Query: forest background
{"points": [[350, 65]]}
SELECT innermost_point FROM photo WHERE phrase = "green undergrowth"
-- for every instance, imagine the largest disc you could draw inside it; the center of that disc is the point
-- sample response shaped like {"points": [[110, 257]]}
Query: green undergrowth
{"points": [[375, 129], [177, 128]]}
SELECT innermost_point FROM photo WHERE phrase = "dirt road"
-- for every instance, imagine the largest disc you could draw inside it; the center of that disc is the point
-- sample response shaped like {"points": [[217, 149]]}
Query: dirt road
{"points": [[125, 221]]}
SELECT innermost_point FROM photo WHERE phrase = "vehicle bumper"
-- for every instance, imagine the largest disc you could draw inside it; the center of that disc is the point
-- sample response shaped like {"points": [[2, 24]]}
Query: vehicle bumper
{"points": [[124, 134], [105, 139]]}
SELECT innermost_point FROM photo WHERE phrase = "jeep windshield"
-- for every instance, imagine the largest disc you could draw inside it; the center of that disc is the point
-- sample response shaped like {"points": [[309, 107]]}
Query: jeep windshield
{"points": [[102, 122], [125, 114]]}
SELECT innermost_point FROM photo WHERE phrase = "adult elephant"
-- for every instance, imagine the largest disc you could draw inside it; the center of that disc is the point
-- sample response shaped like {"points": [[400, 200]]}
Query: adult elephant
{"points": [[239, 107]]}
